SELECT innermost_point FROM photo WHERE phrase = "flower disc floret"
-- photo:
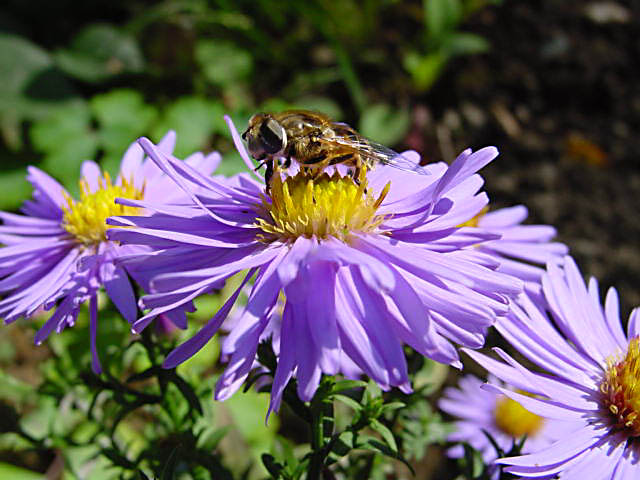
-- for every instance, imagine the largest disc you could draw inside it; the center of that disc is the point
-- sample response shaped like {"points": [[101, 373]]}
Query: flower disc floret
{"points": [[321, 207], [621, 389], [86, 219], [515, 420], [590, 377]]}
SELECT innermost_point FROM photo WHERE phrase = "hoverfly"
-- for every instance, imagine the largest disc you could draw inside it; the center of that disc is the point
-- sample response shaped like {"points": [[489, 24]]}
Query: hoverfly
{"points": [[316, 142]]}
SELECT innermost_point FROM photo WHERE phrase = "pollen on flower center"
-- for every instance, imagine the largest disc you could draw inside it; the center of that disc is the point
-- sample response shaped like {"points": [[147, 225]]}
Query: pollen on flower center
{"points": [[620, 388], [321, 207], [86, 219], [473, 222], [515, 420]]}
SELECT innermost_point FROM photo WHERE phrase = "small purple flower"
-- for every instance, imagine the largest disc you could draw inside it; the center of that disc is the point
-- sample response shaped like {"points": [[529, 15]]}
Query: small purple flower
{"points": [[364, 268], [57, 254], [593, 378], [520, 247], [479, 411]]}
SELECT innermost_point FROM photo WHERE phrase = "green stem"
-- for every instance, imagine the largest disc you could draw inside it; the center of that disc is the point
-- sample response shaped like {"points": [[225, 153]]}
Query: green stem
{"points": [[317, 441]]}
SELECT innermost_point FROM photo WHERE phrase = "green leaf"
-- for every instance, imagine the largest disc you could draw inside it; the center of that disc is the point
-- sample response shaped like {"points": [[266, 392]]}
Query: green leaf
{"points": [[65, 161], [12, 388], [187, 392], [63, 126], [372, 444], [350, 402], [31, 86], [14, 187], [390, 407], [276, 105], [343, 385], [344, 444], [99, 52], [123, 108], [248, 411], [66, 140], [462, 43], [320, 104], [223, 63], [16, 473], [384, 124], [441, 16], [385, 433], [122, 117], [193, 120], [211, 437], [231, 164], [426, 69], [473, 461]]}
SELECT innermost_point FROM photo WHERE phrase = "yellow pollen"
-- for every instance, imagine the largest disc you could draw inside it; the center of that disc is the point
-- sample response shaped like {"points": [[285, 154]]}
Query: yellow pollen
{"points": [[86, 219], [620, 389], [321, 207], [473, 222], [515, 420]]}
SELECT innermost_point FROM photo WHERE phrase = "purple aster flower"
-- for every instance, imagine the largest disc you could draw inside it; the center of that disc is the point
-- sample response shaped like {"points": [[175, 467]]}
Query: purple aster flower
{"points": [[479, 411], [520, 248], [364, 268], [57, 253], [272, 332], [592, 375]]}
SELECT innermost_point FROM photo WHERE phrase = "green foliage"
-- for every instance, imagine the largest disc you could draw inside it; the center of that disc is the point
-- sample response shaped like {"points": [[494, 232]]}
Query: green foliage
{"points": [[384, 124], [16, 473], [99, 52], [31, 86], [66, 139], [108, 123], [195, 61], [353, 424], [120, 115], [223, 63], [194, 120], [135, 417], [443, 40], [14, 188]]}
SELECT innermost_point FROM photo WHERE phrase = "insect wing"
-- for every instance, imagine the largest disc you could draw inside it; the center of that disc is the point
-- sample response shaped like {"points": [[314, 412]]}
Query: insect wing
{"points": [[375, 153]]}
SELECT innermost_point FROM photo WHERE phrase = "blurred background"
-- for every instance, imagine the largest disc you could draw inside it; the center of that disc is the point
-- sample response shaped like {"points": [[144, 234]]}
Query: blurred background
{"points": [[554, 84]]}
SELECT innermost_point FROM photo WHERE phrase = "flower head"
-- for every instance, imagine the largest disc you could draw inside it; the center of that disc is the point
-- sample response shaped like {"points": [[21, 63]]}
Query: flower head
{"points": [[363, 268], [480, 412], [521, 249], [57, 253], [590, 379]]}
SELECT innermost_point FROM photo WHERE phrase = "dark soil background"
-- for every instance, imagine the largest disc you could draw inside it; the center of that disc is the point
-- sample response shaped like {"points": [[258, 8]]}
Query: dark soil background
{"points": [[559, 95]]}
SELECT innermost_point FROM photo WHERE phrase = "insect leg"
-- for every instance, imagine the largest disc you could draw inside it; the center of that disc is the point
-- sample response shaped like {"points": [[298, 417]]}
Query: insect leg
{"points": [[350, 158], [263, 160], [268, 174], [357, 169]]}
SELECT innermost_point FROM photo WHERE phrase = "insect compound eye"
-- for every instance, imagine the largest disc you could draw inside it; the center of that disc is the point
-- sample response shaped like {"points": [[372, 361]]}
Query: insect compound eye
{"points": [[273, 136]]}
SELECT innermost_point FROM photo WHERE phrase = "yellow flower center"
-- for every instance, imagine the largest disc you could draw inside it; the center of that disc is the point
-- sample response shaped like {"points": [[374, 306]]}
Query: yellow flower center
{"points": [[86, 219], [473, 222], [321, 207], [620, 388], [515, 420]]}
